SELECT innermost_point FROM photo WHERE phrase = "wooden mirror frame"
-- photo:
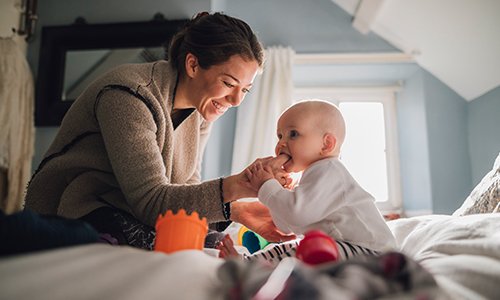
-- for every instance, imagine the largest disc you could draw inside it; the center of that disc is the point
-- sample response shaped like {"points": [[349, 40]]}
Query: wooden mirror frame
{"points": [[57, 40]]}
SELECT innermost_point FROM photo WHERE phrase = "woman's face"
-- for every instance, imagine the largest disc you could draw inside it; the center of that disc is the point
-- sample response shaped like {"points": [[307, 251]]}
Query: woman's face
{"points": [[214, 90]]}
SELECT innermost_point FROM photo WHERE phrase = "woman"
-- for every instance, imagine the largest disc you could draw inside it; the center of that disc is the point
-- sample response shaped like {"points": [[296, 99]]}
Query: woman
{"points": [[130, 147]]}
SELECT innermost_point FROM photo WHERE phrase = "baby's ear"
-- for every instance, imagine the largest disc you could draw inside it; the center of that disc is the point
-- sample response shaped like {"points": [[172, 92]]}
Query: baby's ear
{"points": [[329, 143]]}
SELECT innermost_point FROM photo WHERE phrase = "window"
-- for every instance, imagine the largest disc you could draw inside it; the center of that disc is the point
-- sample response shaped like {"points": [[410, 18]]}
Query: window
{"points": [[370, 151]]}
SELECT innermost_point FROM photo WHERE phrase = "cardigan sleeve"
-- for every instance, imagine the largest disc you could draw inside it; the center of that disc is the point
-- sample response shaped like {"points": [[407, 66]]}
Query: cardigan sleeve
{"points": [[129, 132]]}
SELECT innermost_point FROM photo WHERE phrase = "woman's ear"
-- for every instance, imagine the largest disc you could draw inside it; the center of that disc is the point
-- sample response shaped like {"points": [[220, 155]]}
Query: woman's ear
{"points": [[191, 65], [329, 143]]}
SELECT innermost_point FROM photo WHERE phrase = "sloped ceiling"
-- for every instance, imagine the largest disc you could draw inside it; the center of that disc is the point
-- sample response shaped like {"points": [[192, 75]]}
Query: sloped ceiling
{"points": [[458, 41]]}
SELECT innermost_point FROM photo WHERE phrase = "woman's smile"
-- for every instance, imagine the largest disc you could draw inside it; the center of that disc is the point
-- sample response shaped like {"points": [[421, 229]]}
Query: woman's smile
{"points": [[219, 108]]}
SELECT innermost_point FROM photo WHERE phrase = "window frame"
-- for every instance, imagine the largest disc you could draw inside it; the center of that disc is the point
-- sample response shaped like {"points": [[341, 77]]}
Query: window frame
{"points": [[386, 96]]}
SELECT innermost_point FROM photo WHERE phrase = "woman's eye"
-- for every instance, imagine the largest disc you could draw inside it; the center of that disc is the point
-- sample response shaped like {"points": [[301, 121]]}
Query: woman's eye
{"points": [[228, 84], [246, 91]]}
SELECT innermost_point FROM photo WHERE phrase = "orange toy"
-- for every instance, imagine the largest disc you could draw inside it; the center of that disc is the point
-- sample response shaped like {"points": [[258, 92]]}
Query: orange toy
{"points": [[180, 232]]}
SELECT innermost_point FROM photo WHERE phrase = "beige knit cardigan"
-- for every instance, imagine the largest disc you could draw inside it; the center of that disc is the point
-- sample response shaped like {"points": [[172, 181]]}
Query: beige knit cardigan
{"points": [[117, 147]]}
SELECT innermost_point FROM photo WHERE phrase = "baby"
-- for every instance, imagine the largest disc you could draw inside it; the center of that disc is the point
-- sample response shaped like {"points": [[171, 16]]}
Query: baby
{"points": [[327, 197]]}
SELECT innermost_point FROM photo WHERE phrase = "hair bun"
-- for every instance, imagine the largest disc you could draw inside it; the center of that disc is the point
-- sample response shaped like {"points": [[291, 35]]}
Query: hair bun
{"points": [[199, 15]]}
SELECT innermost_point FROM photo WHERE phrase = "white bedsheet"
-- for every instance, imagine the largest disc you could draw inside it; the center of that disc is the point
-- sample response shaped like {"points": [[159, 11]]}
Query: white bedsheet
{"points": [[463, 253], [107, 272]]}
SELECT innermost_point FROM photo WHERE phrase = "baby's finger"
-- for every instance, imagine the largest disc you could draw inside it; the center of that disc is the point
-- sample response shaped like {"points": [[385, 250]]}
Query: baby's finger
{"points": [[227, 240], [248, 173]]}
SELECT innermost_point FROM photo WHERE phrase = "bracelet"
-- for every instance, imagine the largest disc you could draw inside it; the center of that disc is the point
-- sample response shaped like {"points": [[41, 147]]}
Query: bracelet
{"points": [[226, 207]]}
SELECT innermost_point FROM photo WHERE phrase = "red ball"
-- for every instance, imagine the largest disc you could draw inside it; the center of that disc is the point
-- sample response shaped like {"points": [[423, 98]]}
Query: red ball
{"points": [[317, 248]]}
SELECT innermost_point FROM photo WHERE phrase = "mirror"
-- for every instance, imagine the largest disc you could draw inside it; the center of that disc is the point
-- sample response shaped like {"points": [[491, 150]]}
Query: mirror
{"points": [[73, 56], [82, 67]]}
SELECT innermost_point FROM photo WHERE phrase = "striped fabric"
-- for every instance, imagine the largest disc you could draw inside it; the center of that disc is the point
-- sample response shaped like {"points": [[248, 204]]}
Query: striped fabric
{"points": [[288, 249]]}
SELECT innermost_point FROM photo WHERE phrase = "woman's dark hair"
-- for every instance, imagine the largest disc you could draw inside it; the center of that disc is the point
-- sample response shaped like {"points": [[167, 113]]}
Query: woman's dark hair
{"points": [[213, 39]]}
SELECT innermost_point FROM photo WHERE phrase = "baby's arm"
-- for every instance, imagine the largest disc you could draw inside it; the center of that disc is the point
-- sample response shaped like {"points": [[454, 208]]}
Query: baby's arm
{"points": [[257, 174]]}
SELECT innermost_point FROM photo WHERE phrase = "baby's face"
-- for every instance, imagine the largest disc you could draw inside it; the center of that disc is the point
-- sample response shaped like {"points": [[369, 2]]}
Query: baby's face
{"points": [[298, 138]]}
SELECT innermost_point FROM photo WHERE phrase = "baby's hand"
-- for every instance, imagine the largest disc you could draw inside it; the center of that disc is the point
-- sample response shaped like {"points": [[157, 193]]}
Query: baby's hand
{"points": [[276, 164], [226, 248], [257, 174]]}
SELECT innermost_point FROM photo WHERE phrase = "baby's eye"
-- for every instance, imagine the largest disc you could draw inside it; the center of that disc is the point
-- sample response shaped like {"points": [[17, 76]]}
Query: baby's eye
{"points": [[294, 133], [279, 136]]}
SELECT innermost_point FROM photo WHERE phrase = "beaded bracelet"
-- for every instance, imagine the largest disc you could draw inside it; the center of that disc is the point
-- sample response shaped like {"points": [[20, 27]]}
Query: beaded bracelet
{"points": [[226, 207]]}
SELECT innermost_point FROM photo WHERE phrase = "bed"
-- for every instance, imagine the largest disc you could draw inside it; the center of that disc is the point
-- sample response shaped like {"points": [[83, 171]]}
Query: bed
{"points": [[460, 252]]}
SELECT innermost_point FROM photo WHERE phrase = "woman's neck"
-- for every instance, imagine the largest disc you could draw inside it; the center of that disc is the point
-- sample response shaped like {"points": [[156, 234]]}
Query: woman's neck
{"points": [[180, 106], [181, 95]]}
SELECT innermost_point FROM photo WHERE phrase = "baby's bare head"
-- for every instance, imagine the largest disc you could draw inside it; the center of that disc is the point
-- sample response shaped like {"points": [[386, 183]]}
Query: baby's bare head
{"points": [[325, 116]]}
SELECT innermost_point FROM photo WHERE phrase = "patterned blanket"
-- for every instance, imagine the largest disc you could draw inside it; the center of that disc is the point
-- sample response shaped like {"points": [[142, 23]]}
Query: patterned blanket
{"points": [[389, 276]]}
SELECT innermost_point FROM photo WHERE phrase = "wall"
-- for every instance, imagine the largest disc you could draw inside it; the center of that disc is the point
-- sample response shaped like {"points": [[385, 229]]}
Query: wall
{"points": [[430, 169], [414, 146], [449, 159], [288, 18], [434, 150], [307, 26], [484, 133]]}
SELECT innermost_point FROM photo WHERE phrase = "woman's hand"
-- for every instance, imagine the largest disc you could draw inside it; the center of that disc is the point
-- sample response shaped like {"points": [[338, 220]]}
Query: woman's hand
{"points": [[276, 164], [256, 217], [233, 190]]}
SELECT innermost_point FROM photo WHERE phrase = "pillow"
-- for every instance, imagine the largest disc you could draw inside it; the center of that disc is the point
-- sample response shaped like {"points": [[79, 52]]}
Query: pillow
{"points": [[485, 197]]}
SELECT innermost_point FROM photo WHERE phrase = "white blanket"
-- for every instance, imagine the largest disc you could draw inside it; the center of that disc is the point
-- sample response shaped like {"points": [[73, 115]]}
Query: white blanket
{"points": [[463, 253]]}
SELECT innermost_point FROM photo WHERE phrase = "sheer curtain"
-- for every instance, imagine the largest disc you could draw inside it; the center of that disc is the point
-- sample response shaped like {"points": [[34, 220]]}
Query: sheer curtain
{"points": [[271, 94], [17, 131]]}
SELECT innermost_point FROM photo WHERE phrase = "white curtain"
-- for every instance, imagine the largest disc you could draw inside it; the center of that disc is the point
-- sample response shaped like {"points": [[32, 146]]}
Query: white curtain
{"points": [[17, 131], [257, 116]]}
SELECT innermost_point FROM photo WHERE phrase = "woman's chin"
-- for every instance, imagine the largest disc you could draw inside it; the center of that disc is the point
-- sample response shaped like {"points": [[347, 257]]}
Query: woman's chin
{"points": [[211, 117]]}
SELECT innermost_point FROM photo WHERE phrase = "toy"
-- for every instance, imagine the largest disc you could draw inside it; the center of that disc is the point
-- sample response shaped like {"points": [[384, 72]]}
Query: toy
{"points": [[251, 240], [180, 232], [317, 248]]}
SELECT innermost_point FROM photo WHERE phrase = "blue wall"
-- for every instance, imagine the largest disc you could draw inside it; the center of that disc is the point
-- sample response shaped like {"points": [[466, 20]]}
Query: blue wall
{"points": [[484, 133], [449, 157], [436, 127], [414, 145], [307, 26]]}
